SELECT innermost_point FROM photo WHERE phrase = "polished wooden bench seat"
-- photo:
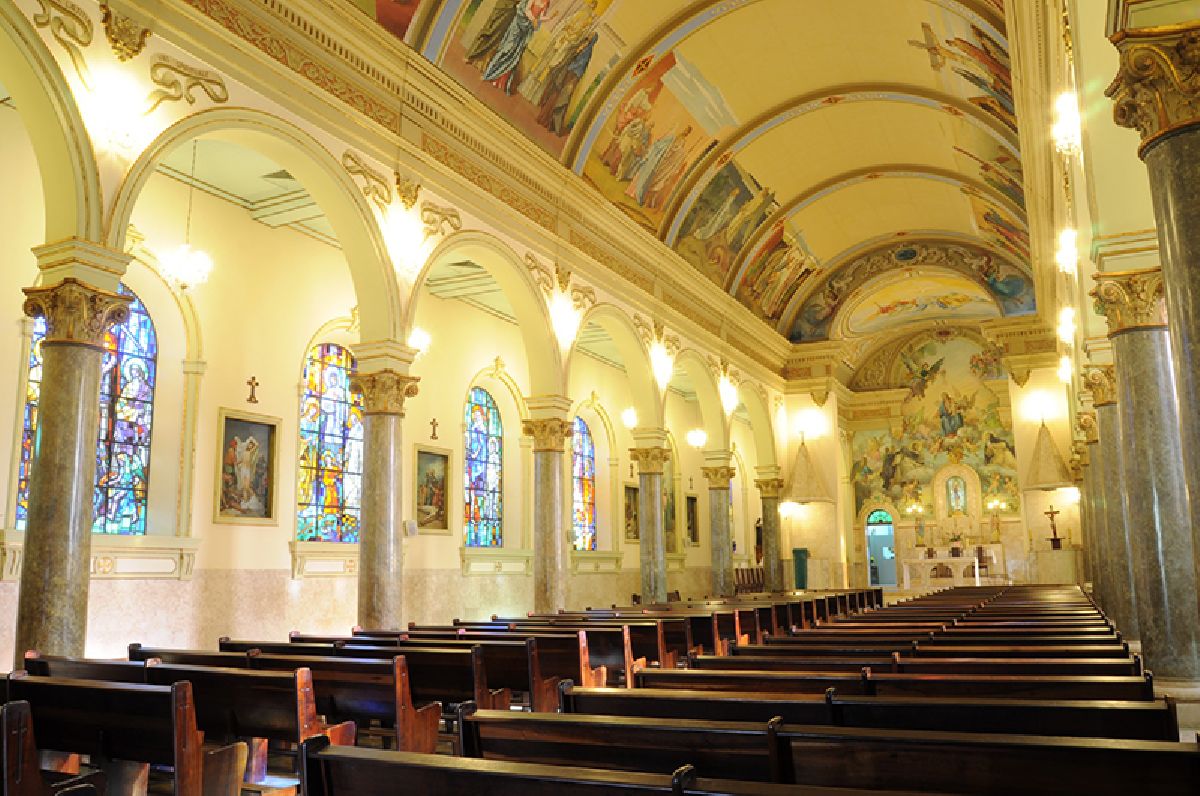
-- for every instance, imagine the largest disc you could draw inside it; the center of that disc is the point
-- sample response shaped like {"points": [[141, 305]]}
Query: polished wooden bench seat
{"points": [[924, 665]]}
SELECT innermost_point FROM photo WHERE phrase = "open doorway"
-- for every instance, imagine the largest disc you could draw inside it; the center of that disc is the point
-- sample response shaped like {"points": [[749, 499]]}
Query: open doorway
{"points": [[881, 548]]}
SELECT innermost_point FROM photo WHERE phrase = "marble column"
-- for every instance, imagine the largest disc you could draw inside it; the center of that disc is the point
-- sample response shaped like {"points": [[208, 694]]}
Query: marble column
{"points": [[1094, 494], [650, 463], [381, 535], [1157, 514], [1157, 93], [1078, 467], [53, 602], [769, 489], [721, 538], [550, 543], [1119, 597]]}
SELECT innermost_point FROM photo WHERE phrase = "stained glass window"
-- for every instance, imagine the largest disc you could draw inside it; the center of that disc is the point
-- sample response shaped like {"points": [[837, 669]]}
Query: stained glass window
{"points": [[127, 379], [329, 488], [583, 485], [483, 471]]}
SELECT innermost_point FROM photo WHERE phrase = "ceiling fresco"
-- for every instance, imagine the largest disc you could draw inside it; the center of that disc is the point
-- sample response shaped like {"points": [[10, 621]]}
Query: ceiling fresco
{"points": [[772, 144]]}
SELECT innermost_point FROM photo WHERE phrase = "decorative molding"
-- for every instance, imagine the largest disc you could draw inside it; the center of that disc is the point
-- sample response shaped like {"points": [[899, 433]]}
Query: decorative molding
{"points": [[770, 488], [719, 477], [76, 313], [481, 178], [375, 186], [384, 391], [549, 434], [654, 331], [72, 28], [1101, 381], [650, 461], [407, 189], [1131, 300], [604, 562], [495, 561], [1157, 87], [559, 279], [323, 559], [178, 81], [148, 557], [125, 35], [439, 220]]}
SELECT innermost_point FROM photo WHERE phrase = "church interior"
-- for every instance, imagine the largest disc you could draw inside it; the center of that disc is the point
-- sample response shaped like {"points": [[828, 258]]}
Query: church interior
{"points": [[855, 331]]}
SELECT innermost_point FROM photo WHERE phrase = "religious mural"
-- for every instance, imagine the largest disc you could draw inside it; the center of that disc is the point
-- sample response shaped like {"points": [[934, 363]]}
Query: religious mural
{"points": [[923, 297], [780, 265], [728, 211], [535, 62], [951, 414], [971, 61], [396, 15], [1000, 227]]}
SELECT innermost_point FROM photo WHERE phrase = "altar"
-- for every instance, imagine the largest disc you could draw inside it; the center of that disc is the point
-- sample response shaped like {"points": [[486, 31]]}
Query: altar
{"points": [[975, 566]]}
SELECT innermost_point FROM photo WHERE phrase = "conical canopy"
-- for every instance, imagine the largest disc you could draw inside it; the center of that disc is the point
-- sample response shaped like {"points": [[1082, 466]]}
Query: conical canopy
{"points": [[1047, 470]]}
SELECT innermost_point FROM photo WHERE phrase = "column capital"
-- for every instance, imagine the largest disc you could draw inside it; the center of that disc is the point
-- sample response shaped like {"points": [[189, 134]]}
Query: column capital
{"points": [[720, 476], [1131, 300], [384, 391], [83, 260], [76, 312], [770, 487], [1157, 87], [549, 434], [650, 461], [1101, 380], [1086, 421]]}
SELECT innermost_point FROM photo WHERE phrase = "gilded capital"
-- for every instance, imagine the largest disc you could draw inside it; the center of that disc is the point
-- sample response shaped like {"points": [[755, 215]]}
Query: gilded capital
{"points": [[1132, 300], [1157, 87], [1102, 381], [76, 312], [650, 461], [1087, 424], [549, 434], [384, 391], [769, 487], [719, 477]]}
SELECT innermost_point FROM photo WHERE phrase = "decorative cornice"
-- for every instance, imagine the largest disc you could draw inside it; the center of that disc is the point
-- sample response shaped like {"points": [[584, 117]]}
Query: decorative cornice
{"points": [[178, 81], [384, 391], [718, 477], [1101, 380], [407, 190], [1157, 87], [125, 35], [1131, 300], [375, 186], [769, 488], [75, 312], [650, 461], [549, 434], [1086, 422]]}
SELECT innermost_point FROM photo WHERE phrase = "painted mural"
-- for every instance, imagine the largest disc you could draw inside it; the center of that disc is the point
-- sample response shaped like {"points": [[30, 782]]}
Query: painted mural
{"points": [[971, 59], [998, 226], [950, 415], [923, 297], [1010, 286], [396, 15], [726, 214], [782, 263], [535, 62], [669, 118]]}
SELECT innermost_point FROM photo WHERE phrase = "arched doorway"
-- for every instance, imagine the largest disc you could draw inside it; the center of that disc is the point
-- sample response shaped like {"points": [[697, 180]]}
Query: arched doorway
{"points": [[881, 548]]}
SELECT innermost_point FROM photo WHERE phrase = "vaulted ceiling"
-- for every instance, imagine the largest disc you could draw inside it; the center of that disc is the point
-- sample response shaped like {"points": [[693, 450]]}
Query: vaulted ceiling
{"points": [[841, 167]]}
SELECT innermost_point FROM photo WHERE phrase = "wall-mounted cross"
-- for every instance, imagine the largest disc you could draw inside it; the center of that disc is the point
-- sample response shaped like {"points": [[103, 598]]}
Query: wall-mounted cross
{"points": [[252, 383], [433, 424], [1052, 513]]}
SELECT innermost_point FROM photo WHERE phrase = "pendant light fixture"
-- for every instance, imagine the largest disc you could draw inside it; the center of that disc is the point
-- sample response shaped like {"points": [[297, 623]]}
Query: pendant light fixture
{"points": [[187, 267]]}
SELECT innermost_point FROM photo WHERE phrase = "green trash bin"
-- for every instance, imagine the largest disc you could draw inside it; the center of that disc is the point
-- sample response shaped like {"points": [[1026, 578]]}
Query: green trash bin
{"points": [[800, 566]]}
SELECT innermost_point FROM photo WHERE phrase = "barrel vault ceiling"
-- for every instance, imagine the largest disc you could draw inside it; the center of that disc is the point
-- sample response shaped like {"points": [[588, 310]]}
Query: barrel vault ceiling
{"points": [[841, 167]]}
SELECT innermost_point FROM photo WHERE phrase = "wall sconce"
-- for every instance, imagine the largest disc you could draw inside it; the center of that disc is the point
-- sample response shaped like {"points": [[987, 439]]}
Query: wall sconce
{"points": [[629, 417], [697, 438], [1067, 130], [419, 339], [1067, 255], [662, 363], [1066, 325], [728, 393]]}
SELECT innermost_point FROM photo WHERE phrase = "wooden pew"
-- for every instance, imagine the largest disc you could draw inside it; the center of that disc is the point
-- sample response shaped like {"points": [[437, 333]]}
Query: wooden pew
{"points": [[1148, 721], [904, 664], [341, 771], [562, 654], [112, 722], [885, 684], [20, 774]]}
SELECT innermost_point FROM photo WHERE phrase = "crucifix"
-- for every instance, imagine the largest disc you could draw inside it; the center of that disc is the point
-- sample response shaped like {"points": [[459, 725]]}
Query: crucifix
{"points": [[936, 58], [252, 383], [1055, 541], [433, 424]]}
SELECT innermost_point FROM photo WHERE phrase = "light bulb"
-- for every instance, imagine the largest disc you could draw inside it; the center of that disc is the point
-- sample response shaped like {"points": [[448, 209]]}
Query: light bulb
{"points": [[1065, 371], [662, 363], [629, 417], [187, 267], [812, 424], [728, 393], [1071, 495], [697, 437], [115, 109], [419, 339], [1066, 325], [1067, 255], [1067, 131], [565, 318], [406, 240]]}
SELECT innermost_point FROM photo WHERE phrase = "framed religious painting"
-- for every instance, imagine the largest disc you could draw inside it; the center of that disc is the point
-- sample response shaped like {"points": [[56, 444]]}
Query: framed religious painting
{"points": [[632, 527], [431, 495], [691, 510], [247, 466]]}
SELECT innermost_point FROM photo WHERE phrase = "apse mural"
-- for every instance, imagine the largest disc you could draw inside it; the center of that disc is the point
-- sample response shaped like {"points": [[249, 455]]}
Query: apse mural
{"points": [[952, 414], [535, 62], [670, 117], [1007, 284], [917, 297]]}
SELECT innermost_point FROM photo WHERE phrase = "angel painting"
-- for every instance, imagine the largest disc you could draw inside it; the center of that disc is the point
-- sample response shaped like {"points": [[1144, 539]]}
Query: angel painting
{"points": [[920, 374]]}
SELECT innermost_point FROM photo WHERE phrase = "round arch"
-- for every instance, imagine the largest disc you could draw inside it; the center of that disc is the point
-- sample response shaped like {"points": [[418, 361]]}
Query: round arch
{"points": [[67, 163], [533, 317], [712, 414], [761, 427], [380, 307], [647, 401]]}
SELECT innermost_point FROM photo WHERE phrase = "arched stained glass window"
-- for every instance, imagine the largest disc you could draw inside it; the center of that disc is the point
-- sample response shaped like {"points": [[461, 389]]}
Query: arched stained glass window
{"points": [[483, 471], [879, 517], [127, 378], [329, 488], [583, 485]]}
